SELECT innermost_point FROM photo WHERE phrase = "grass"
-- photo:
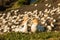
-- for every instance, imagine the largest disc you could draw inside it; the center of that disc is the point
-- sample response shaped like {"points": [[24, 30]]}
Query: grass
{"points": [[33, 36], [14, 6], [18, 4]]}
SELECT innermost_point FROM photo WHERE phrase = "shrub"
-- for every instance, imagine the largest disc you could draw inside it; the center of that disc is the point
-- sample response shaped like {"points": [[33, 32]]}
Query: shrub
{"points": [[21, 1]]}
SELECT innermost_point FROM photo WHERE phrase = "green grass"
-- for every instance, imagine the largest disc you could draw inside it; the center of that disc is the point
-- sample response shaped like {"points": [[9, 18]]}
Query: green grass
{"points": [[14, 6], [33, 36], [18, 4]]}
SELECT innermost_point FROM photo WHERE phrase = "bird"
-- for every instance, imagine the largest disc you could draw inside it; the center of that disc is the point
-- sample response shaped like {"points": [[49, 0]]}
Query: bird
{"points": [[35, 5], [49, 28], [23, 27], [18, 17], [5, 28], [8, 15], [34, 25]]}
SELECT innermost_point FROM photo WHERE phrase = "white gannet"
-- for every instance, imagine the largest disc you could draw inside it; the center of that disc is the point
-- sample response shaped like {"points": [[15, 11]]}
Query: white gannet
{"points": [[23, 27], [34, 25]]}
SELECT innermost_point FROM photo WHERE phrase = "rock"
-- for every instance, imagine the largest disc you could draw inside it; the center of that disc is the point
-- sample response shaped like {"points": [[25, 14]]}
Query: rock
{"points": [[40, 28]]}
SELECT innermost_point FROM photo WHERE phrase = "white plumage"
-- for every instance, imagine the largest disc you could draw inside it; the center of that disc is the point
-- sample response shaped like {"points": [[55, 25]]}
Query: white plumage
{"points": [[23, 27], [49, 28], [34, 25]]}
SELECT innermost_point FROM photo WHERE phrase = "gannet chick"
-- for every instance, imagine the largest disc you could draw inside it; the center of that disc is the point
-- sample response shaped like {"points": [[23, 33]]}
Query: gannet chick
{"points": [[23, 27], [34, 25]]}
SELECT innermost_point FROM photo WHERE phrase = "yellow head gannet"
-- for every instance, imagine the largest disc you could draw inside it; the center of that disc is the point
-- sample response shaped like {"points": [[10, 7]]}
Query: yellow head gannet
{"points": [[34, 25], [23, 27]]}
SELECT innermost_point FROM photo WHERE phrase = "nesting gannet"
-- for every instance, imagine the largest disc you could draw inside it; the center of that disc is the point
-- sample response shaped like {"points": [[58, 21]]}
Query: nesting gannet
{"points": [[49, 28], [34, 25], [8, 15], [35, 5], [23, 27]]}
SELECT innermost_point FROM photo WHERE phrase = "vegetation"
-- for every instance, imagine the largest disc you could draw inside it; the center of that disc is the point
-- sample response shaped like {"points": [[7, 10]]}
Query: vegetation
{"points": [[34, 36], [17, 4], [21, 1], [13, 4]]}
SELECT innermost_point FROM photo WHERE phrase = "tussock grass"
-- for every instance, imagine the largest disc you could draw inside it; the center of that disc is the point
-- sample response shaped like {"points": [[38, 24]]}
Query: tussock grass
{"points": [[33, 36]]}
